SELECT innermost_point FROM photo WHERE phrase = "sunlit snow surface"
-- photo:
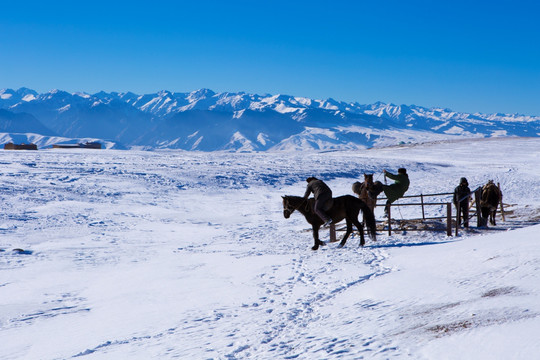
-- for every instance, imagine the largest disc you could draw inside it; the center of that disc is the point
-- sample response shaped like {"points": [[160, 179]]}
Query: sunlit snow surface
{"points": [[138, 255]]}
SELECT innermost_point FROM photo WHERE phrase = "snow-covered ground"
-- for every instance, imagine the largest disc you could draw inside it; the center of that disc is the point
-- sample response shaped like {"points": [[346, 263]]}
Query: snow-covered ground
{"points": [[171, 254]]}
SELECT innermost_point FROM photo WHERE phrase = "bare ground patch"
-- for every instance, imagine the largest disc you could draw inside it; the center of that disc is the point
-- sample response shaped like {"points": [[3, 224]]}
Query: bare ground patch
{"points": [[507, 290], [495, 317]]}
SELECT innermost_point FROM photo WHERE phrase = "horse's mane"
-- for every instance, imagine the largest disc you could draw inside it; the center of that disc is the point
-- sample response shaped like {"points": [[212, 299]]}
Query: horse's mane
{"points": [[490, 194], [293, 198], [298, 200], [491, 187]]}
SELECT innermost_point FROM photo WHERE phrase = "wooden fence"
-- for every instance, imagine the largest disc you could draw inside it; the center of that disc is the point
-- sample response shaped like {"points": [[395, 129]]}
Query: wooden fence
{"points": [[423, 204]]}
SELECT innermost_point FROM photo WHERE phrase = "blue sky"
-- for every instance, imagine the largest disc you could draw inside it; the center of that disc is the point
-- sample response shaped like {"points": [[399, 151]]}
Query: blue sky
{"points": [[464, 55]]}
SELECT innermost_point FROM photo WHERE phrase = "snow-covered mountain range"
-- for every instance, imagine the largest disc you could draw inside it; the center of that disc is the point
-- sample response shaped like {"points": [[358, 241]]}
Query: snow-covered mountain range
{"points": [[208, 121]]}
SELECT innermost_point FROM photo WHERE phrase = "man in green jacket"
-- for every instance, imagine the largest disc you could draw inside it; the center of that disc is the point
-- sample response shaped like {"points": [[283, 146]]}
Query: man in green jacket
{"points": [[397, 189]]}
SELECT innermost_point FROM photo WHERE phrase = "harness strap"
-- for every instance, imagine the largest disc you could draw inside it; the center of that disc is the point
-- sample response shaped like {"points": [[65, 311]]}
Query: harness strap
{"points": [[298, 207]]}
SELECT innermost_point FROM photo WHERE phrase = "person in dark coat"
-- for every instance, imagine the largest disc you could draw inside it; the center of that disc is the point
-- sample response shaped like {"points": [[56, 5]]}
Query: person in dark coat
{"points": [[397, 189], [323, 196], [462, 195]]}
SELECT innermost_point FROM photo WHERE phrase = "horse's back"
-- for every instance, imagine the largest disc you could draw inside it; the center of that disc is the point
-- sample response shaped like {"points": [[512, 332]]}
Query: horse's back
{"points": [[491, 194], [347, 198], [348, 201]]}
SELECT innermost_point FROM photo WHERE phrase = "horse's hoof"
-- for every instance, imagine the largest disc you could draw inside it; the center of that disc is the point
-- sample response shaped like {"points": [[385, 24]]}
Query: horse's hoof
{"points": [[340, 246], [314, 248]]}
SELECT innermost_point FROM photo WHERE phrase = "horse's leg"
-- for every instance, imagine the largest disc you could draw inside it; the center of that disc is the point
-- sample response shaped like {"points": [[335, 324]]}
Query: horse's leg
{"points": [[483, 221], [493, 214], [316, 237], [360, 228], [347, 233]]}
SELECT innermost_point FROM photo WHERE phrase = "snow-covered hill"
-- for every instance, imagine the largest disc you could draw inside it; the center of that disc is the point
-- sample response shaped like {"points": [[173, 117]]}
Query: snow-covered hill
{"points": [[205, 120], [186, 255]]}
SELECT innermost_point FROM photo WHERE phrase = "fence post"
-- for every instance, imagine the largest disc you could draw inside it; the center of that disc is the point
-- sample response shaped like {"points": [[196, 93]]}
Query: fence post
{"points": [[458, 216], [502, 207], [466, 221], [423, 213], [333, 232], [389, 221], [449, 219]]}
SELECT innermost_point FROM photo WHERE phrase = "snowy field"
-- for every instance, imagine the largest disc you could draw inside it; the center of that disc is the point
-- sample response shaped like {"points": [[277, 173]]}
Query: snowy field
{"points": [[139, 255]]}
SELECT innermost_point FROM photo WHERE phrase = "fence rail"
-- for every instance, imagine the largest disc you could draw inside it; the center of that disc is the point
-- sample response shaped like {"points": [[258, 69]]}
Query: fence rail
{"points": [[421, 195]]}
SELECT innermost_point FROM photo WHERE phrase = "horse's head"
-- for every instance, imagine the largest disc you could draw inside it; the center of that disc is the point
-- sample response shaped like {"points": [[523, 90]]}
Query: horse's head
{"points": [[368, 179], [287, 209], [290, 204]]}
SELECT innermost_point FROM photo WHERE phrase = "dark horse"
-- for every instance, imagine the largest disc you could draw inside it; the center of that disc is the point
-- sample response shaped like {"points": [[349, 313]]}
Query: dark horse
{"points": [[491, 196], [344, 207]]}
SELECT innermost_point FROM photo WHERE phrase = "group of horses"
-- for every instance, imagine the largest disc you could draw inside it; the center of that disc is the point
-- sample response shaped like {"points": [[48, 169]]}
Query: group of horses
{"points": [[349, 207]]}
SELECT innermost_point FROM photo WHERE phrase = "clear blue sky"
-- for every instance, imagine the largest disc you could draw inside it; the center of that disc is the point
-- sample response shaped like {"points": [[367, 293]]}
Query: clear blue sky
{"points": [[465, 55]]}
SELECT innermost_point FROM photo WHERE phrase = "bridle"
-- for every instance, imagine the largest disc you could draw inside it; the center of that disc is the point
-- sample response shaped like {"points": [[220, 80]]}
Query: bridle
{"points": [[295, 208]]}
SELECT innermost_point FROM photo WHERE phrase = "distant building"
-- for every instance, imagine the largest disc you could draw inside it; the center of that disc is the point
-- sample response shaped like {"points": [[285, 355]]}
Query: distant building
{"points": [[86, 145], [12, 146]]}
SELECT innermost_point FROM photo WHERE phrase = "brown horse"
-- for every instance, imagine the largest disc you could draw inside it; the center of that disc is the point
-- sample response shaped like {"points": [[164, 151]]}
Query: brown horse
{"points": [[491, 196], [365, 191], [344, 207]]}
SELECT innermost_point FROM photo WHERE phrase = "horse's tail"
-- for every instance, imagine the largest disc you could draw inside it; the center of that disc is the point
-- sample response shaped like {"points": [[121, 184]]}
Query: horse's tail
{"points": [[369, 219]]}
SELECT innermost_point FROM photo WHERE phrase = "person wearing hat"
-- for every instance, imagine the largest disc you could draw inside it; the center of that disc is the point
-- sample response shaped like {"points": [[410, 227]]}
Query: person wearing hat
{"points": [[397, 189], [462, 195], [323, 198]]}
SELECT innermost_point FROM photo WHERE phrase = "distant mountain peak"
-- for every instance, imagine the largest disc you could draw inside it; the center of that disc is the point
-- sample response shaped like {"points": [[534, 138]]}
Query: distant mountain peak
{"points": [[201, 94], [83, 95], [164, 93], [23, 91], [56, 93], [103, 94]]}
